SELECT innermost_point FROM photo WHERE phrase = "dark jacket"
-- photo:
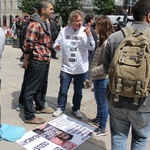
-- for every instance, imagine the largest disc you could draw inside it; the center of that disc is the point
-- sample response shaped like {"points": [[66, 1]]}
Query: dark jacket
{"points": [[54, 31], [124, 102]]}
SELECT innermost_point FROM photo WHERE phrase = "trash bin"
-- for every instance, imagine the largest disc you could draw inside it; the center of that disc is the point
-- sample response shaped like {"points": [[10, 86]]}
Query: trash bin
{"points": [[16, 43], [8, 40]]}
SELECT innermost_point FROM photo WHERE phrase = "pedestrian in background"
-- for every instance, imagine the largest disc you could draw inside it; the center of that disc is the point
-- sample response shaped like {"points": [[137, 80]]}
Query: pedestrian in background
{"points": [[23, 30], [2, 43], [74, 40], [124, 114], [37, 51], [103, 28], [88, 21], [54, 32]]}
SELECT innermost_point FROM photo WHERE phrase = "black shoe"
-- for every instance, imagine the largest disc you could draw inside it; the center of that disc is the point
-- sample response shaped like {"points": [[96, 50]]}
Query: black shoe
{"points": [[55, 57], [94, 121], [100, 132], [21, 59]]}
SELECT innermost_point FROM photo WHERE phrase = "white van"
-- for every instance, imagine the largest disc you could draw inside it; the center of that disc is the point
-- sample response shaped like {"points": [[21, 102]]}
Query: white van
{"points": [[113, 19]]}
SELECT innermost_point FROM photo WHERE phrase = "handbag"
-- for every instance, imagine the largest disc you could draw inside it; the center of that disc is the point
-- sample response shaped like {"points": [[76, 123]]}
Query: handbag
{"points": [[11, 133]]}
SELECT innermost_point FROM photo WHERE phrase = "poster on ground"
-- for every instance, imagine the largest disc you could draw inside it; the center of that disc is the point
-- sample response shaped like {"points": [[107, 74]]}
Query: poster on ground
{"points": [[63, 133]]}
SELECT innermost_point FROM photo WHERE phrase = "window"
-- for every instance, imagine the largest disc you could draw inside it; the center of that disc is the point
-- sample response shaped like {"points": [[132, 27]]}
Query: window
{"points": [[4, 4], [89, 2], [11, 4], [18, 3]]}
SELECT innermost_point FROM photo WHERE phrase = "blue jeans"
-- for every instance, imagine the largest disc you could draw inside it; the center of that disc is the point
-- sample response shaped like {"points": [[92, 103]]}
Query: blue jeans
{"points": [[65, 80], [100, 97], [120, 122]]}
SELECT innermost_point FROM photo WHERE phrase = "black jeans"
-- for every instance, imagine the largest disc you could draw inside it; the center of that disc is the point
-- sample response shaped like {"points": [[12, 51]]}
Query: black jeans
{"points": [[35, 87]]}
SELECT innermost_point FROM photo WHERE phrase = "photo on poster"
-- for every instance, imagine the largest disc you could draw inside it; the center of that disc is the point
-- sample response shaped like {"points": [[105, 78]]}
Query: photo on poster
{"points": [[55, 135]]}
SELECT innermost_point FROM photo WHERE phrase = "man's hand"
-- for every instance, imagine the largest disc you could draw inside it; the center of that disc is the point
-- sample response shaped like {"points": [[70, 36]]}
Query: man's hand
{"points": [[58, 47], [26, 61], [25, 64], [88, 31]]}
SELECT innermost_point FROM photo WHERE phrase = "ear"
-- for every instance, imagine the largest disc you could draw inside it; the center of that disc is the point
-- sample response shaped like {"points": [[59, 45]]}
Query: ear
{"points": [[43, 10], [148, 18]]}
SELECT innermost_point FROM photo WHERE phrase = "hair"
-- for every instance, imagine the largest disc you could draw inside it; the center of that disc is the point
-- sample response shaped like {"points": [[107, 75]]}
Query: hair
{"points": [[62, 132], [105, 28], [42, 4], [88, 18], [26, 16], [141, 9], [73, 15]]}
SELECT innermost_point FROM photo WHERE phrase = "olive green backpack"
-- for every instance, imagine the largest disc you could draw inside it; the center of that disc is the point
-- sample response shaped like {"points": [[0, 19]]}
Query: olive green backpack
{"points": [[129, 72]]}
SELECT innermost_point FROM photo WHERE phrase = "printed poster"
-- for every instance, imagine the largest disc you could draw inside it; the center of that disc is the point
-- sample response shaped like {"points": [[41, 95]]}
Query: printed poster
{"points": [[63, 133]]}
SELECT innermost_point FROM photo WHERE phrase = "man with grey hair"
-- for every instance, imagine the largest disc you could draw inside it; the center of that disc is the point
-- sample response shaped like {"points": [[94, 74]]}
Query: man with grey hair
{"points": [[74, 40]]}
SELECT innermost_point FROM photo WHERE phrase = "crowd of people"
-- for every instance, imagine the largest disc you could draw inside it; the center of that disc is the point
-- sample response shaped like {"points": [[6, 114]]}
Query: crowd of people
{"points": [[86, 56]]}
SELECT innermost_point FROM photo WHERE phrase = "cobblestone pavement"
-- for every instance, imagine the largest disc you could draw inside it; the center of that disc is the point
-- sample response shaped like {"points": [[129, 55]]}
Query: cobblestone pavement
{"points": [[12, 75]]}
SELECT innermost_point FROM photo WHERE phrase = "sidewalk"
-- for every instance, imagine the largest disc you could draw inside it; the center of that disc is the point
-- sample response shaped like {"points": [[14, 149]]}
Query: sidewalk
{"points": [[12, 75]]}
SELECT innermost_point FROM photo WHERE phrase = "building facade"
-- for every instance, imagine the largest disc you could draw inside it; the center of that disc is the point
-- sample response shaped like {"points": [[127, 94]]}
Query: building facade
{"points": [[8, 10]]}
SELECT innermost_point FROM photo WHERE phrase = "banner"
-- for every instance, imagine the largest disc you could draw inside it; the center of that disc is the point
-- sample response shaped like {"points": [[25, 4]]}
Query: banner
{"points": [[63, 133]]}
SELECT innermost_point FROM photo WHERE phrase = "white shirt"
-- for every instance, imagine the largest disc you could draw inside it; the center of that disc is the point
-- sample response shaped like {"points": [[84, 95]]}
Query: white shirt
{"points": [[75, 46], [2, 43]]}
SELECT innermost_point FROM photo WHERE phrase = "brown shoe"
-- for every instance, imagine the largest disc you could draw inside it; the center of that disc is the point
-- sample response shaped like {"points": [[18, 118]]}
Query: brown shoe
{"points": [[36, 120], [45, 110]]}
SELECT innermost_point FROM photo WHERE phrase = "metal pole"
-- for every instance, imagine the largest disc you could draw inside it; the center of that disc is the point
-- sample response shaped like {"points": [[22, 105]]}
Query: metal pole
{"points": [[130, 6]]}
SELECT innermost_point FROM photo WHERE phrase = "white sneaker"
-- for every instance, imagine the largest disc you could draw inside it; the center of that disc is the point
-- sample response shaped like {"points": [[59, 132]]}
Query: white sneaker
{"points": [[20, 107], [57, 112], [78, 114]]}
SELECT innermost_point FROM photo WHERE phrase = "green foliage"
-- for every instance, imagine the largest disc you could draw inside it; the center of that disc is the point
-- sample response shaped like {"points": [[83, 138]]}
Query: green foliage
{"points": [[28, 6], [65, 7], [104, 7]]}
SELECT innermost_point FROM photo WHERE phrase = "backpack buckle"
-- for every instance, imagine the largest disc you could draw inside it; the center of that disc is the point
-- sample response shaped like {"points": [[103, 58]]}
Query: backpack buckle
{"points": [[119, 85]]}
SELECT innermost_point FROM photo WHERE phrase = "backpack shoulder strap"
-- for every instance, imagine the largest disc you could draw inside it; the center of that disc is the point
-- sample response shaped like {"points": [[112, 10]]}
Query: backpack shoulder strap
{"points": [[147, 32], [127, 31]]}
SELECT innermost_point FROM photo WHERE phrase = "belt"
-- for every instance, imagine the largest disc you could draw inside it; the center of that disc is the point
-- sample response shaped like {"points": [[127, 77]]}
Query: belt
{"points": [[40, 62]]}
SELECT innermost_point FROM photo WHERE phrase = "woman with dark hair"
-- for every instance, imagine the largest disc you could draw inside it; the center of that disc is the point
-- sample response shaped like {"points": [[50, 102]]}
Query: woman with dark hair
{"points": [[103, 28]]}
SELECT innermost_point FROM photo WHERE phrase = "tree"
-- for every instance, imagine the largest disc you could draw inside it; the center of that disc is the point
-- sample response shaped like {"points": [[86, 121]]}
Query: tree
{"points": [[104, 7], [64, 7], [28, 6]]}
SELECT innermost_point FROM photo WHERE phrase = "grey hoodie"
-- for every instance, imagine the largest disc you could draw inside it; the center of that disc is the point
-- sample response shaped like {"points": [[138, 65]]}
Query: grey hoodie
{"points": [[37, 18]]}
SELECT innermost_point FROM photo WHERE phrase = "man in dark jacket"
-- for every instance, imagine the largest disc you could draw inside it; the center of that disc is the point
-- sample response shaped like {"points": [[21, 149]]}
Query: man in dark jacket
{"points": [[88, 21], [124, 113], [23, 30], [54, 33]]}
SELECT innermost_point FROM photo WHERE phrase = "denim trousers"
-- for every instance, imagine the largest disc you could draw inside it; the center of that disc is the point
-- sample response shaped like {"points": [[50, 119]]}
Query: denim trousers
{"points": [[65, 80], [35, 87], [100, 97], [43, 89], [121, 120]]}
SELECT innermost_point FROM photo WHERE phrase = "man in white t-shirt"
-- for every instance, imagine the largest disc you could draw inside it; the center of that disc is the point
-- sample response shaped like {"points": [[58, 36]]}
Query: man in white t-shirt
{"points": [[2, 43], [74, 40]]}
